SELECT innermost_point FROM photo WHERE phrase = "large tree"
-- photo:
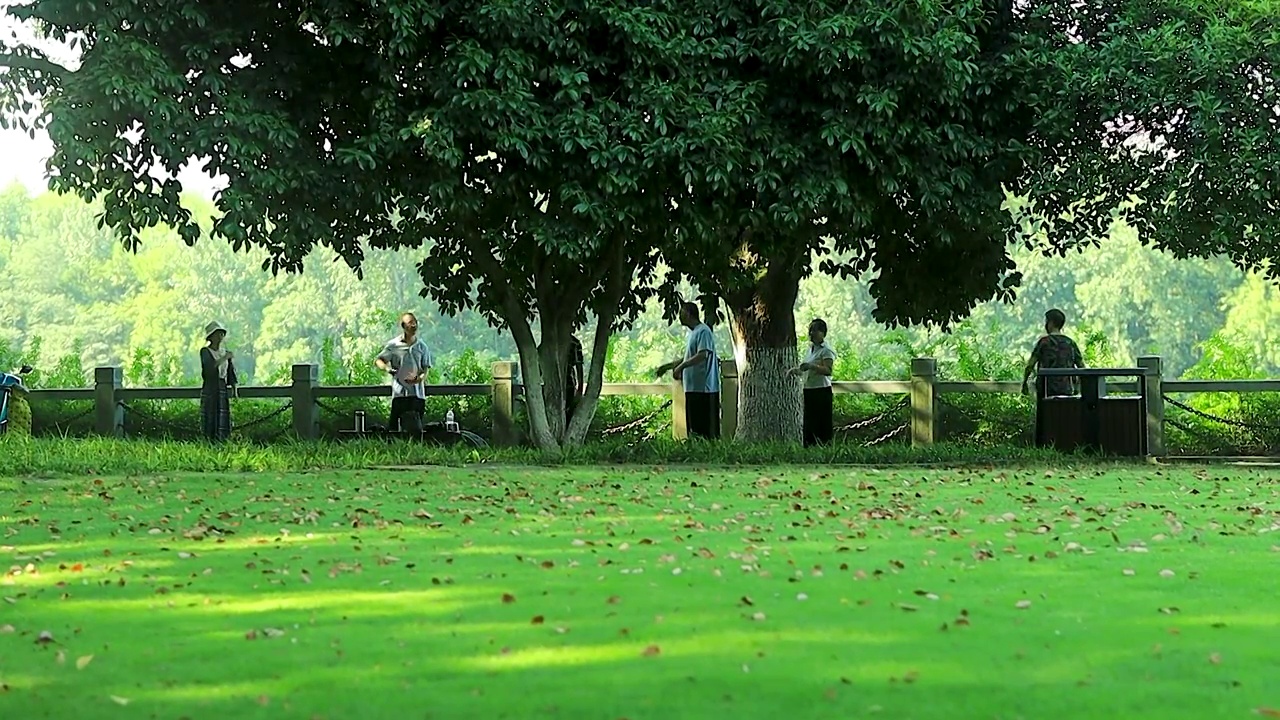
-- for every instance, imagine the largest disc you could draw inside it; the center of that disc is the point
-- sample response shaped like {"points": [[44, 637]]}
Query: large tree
{"points": [[882, 131], [531, 146], [891, 131]]}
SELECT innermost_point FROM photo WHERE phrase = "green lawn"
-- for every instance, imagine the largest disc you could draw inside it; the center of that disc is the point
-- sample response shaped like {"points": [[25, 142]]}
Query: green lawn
{"points": [[646, 594]]}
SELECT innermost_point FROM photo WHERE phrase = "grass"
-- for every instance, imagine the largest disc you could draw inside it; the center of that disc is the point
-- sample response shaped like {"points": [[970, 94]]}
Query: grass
{"points": [[642, 593], [80, 456]]}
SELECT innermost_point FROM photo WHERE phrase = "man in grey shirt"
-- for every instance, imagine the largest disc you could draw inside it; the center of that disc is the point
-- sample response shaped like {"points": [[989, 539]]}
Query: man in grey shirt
{"points": [[407, 360]]}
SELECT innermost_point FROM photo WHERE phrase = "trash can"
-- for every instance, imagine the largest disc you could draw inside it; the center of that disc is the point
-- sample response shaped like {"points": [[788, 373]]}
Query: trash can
{"points": [[1093, 421]]}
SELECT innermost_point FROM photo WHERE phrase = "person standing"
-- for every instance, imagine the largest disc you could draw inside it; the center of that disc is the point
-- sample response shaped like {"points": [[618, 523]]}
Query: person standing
{"points": [[1054, 350], [699, 374], [217, 379], [407, 360], [816, 371], [575, 382]]}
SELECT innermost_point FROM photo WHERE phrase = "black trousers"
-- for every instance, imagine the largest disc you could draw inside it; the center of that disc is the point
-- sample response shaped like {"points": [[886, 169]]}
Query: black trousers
{"points": [[702, 414], [402, 406], [817, 416]]}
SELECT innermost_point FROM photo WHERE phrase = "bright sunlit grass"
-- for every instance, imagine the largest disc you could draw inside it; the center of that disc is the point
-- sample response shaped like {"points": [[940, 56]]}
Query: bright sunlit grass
{"points": [[642, 593]]}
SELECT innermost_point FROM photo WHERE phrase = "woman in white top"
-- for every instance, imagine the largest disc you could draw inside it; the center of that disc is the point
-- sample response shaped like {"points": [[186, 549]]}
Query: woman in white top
{"points": [[218, 377], [816, 370]]}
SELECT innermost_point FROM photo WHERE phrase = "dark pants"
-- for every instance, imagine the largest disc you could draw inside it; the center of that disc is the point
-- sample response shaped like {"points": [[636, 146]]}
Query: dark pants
{"points": [[702, 414], [215, 411], [817, 416], [403, 406]]}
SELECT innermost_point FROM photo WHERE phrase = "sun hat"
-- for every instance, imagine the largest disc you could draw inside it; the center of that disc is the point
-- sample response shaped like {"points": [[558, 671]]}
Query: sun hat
{"points": [[212, 328]]}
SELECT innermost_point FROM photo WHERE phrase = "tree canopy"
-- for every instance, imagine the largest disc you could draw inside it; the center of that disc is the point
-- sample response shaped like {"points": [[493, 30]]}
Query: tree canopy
{"points": [[541, 155]]}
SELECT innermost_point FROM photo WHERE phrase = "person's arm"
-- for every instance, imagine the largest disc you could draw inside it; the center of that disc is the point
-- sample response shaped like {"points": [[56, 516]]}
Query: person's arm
{"points": [[383, 361], [665, 368], [1032, 363], [697, 358]]}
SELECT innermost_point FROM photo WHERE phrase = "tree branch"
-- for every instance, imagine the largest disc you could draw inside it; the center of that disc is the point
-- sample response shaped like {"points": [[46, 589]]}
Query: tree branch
{"points": [[27, 62]]}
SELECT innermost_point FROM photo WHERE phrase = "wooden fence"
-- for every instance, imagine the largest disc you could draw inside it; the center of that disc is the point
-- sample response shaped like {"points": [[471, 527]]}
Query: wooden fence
{"points": [[922, 392]]}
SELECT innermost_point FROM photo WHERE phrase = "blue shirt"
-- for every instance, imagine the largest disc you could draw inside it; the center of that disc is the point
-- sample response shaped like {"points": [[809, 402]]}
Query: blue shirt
{"points": [[705, 376]]}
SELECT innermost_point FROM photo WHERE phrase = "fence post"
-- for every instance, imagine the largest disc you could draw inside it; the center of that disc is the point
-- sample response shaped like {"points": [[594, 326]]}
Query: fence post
{"points": [[923, 372], [1154, 382], [503, 386], [728, 399], [306, 413], [679, 430], [108, 413]]}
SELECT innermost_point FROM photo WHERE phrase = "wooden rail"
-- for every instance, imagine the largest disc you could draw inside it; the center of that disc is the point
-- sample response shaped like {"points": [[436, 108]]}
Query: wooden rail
{"points": [[110, 397]]}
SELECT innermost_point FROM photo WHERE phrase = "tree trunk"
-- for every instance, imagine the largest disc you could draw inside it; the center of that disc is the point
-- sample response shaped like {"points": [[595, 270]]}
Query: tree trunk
{"points": [[764, 342]]}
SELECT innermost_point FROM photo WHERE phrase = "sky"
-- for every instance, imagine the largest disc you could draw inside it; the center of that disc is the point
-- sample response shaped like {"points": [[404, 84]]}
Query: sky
{"points": [[23, 160]]}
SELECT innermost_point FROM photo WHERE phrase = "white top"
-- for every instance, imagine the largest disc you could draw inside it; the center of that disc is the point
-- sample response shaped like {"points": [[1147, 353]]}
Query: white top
{"points": [[704, 377], [817, 353], [221, 358], [405, 358]]}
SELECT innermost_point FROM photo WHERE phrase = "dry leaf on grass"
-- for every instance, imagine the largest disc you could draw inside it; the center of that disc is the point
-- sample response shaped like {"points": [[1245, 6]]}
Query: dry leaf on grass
{"points": [[508, 598], [119, 700], [1022, 604], [652, 650], [83, 661]]}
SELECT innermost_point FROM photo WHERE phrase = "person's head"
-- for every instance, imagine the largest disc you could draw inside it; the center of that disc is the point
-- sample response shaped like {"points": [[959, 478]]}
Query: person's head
{"points": [[214, 334], [1054, 320], [817, 331], [409, 324], [689, 315]]}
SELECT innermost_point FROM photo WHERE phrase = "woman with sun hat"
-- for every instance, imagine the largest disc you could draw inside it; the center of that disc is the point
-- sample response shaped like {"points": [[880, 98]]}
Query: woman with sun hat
{"points": [[218, 376]]}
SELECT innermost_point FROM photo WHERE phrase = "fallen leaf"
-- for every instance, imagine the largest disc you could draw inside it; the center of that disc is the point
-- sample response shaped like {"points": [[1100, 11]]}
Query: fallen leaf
{"points": [[1022, 604], [83, 661], [273, 632], [6, 629], [1129, 571], [538, 620], [119, 700], [44, 638], [907, 608], [1166, 573], [547, 564], [614, 600], [758, 616], [652, 650], [1268, 712], [1215, 658], [746, 600], [508, 598], [1170, 610], [251, 635]]}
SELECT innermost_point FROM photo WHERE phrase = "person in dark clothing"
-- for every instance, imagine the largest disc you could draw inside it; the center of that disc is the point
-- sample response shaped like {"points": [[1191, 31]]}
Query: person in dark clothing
{"points": [[217, 380], [1054, 350], [575, 382]]}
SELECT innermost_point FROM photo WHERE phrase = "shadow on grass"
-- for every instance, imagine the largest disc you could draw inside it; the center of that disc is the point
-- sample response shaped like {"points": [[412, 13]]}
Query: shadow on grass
{"points": [[795, 597]]}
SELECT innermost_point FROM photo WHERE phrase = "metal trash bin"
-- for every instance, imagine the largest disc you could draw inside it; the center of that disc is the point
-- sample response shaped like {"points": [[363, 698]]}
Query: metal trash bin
{"points": [[1092, 421]]}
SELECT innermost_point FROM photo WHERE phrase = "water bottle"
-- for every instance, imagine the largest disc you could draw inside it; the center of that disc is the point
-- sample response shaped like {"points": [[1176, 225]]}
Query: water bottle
{"points": [[359, 421], [449, 424]]}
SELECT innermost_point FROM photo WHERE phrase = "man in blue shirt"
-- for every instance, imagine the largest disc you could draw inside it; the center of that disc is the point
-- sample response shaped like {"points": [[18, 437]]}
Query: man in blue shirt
{"points": [[699, 373]]}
